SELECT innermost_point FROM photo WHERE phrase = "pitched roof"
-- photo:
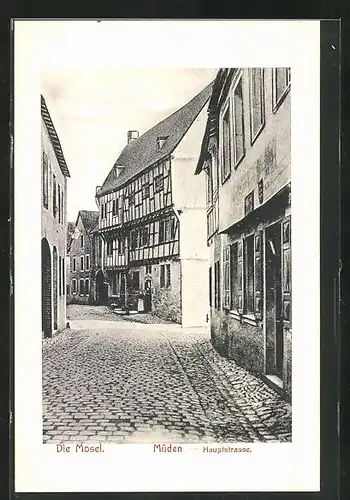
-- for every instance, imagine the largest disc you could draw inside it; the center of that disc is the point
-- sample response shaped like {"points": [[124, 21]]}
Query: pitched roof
{"points": [[54, 138], [221, 81], [143, 152], [89, 219], [70, 231]]}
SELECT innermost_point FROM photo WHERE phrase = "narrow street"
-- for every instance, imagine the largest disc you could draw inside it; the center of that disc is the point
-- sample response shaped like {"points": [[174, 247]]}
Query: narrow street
{"points": [[110, 380]]}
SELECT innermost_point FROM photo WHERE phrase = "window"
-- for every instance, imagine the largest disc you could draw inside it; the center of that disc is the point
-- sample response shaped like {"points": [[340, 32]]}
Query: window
{"points": [[148, 269], [87, 262], [74, 264], [136, 280], [74, 286], [54, 197], [249, 275], [144, 237], [82, 287], [234, 276], [161, 141], [209, 172], [115, 207], [45, 188], [81, 241], [249, 203], [59, 202], [132, 198], [165, 276], [82, 263], [217, 295], [281, 82], [257, 112], [226, 145], [121, 246], [62, 206], [134, 239], [87, 286], [161, 231], [145, 191], [158, 183], [103, 210], [166, 230], [238, 137], [109, 247]]}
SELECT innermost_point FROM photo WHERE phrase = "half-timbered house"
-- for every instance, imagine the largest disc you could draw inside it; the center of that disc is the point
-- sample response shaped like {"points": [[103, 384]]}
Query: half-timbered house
{"points": [[246, 157], [80, 255], [152, 219], [53, 227]]}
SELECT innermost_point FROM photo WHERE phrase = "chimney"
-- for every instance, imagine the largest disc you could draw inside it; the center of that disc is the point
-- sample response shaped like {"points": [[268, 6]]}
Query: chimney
{"points": [[132, 135]]}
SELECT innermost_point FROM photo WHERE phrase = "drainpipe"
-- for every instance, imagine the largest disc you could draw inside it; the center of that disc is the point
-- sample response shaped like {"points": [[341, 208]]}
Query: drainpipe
{"points": [[177, 215]]}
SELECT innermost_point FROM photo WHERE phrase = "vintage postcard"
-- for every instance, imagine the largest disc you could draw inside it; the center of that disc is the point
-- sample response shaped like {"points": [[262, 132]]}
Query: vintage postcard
{"points": [[166, 240]]}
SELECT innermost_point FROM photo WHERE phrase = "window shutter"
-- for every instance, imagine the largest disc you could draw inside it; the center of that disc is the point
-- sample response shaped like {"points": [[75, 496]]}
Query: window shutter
{"points": [[258, 285], [227, 294], [286, 272], [240, 304]]}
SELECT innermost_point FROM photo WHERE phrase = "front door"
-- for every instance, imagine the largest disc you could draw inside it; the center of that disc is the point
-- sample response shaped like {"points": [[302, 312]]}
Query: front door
{"points": [[274, 323]]}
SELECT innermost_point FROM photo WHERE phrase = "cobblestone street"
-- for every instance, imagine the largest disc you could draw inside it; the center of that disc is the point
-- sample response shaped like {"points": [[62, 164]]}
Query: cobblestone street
{"points": [[123, 382]]}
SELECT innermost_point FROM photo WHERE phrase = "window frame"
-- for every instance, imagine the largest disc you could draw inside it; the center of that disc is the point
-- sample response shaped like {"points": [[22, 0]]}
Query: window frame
{"points": [[276, 103], [87, 288], [237, 161], [81, 241], [81, 288], [161, 187], [82, 261], [253, 137], [74, 265], [87, 262], [251, 238], [226, 108], [74, 285]]}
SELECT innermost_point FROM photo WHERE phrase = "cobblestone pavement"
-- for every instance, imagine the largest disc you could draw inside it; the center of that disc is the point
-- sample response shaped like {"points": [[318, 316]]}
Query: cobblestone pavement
{"points": [[124, 384], [82, 312]]}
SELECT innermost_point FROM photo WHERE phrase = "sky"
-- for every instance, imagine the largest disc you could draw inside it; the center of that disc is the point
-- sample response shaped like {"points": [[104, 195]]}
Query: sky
{"points": [[94, 107]]}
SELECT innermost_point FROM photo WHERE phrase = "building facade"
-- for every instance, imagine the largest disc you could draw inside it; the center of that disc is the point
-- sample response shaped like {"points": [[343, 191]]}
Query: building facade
{"points": [[246, 157], [80, 252], [53, 227], [150, 204]]}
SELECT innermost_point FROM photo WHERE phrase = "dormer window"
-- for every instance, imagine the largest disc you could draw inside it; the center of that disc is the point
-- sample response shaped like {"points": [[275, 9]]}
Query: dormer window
{"points": [[160, 141]]}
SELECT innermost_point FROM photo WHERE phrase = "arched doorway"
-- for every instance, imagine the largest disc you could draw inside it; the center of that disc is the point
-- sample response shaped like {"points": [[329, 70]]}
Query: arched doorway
{"points": [[46, 289], [55, 287], [101, 288]]}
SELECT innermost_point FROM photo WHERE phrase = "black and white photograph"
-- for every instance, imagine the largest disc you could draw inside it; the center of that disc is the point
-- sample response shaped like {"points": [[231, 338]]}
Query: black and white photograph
{"points": [[166, 306], [170, 198]]}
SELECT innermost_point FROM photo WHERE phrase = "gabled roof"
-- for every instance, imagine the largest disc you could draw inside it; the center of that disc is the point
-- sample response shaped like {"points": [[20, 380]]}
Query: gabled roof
{"points": [[89, 219], [95, 228], [143, 152], [218, 86], [70, 231], [54, 138]]}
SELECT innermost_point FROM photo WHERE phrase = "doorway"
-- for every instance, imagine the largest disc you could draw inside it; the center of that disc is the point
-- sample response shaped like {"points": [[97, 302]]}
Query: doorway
{"points": [[101, 289], [148, 295], [46, 289], [122, 289], [274, 321]]}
